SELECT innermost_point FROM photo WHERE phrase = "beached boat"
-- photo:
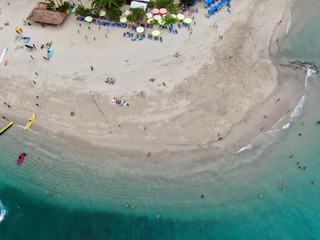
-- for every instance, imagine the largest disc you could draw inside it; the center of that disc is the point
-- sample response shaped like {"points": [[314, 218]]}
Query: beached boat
{"points": [[6, 128], [30, 122], [20, 158]]}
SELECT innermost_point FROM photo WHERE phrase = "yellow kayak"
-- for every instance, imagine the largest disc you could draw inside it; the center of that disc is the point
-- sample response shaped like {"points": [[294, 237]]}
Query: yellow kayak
{"points": [[30, 121], [6, 128]]}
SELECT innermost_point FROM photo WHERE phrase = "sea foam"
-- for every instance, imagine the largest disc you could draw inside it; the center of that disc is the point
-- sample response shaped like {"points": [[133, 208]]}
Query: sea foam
{"points": [[248, 147], [289, 24], [3, 212]]}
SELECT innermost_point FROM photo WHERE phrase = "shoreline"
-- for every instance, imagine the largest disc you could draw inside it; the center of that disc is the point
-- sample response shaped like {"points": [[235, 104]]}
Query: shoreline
{"points": [[131, 140]]}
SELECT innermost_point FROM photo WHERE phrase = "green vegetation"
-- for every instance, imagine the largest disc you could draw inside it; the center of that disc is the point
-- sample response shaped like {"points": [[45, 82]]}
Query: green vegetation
{"points": [[136, 14], [82, 11], [64, 6], [168, 19], [168, 4], [106, 4], [186, 2], [51, 4], [114, 14]]}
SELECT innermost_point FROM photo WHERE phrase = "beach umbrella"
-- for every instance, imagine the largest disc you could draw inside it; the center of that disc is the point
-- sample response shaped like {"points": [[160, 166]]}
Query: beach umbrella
{"points": [[102, 13], [223, 1], [149, 15], [191, 10], [161, 22], [88, 19], [157, 17], [163, 11], [128, 12], [155, 11], [220, 4], [140, 29], [123, 20], [173, 15], [156, 33], [180, 16], [187, 20], [150, 20]]}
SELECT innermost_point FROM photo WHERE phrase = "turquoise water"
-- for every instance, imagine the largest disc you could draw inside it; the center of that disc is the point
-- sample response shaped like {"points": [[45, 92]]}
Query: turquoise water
{"points": [[90, 192]]}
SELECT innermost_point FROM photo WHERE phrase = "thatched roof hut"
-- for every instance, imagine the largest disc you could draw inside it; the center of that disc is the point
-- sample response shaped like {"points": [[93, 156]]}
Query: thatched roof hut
{"points": [[47, 16]]}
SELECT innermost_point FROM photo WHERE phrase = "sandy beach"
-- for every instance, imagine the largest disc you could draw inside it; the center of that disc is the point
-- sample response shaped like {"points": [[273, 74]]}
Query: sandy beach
{"points": [[227, 89]]}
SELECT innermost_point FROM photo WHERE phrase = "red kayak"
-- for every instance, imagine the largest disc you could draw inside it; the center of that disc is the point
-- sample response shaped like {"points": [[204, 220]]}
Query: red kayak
{"points": [[20, 158]]}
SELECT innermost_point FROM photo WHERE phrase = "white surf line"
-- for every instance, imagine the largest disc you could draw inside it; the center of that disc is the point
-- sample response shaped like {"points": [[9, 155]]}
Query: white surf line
{"points": [[3, 53]]}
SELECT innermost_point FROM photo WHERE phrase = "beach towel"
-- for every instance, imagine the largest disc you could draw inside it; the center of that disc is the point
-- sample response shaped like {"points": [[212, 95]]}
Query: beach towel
{"points": [[49, 53]]}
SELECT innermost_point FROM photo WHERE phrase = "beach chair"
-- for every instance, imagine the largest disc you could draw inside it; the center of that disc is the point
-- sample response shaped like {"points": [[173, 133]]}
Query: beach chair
{"points": [[228, 10], [160, 39], [113, 24], [176, 31], [107, 23], [26, 39], [124, 34]]}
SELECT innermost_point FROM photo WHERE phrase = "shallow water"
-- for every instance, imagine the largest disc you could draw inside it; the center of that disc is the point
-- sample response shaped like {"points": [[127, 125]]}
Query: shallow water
{"points": [[90, 192]]}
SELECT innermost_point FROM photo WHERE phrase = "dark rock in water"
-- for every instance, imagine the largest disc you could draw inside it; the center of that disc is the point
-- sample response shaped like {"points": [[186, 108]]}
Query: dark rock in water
{"points": [[300, 134], [202, 196], [318, 122]]}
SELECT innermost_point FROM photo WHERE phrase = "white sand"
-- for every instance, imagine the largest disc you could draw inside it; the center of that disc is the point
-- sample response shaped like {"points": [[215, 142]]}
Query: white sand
{"points": [[206, 92]]}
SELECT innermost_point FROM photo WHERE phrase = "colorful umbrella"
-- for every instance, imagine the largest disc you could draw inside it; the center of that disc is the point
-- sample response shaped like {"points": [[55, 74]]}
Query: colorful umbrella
{"points": [[155, 11], [128, 12], [123, 20], [180, 16], [88, 19], [102, 13], [187, 20], [157, 17], [140, 29], [149, 15], [163, 10], [191, 10], [156, 33], [150, 20], [173, 15], [161, 22]]}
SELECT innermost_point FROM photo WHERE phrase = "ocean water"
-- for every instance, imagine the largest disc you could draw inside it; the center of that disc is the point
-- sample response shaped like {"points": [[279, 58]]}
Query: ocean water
{"points": [[90, 190]]}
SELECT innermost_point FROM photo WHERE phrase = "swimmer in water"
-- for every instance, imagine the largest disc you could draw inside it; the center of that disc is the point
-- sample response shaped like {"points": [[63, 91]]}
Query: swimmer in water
{"points": [[127, 205], [260, 195]]}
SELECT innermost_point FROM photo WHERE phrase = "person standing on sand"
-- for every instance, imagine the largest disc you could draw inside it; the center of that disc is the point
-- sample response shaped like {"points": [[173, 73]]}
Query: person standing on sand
{"points": [[91, 68]]}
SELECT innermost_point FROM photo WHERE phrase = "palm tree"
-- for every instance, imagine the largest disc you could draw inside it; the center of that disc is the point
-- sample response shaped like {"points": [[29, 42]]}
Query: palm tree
{"points": [[107, 4]]}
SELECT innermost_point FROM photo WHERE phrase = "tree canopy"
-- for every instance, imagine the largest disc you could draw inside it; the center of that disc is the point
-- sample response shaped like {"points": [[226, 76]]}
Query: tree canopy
{"points": [[136, 14]]}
